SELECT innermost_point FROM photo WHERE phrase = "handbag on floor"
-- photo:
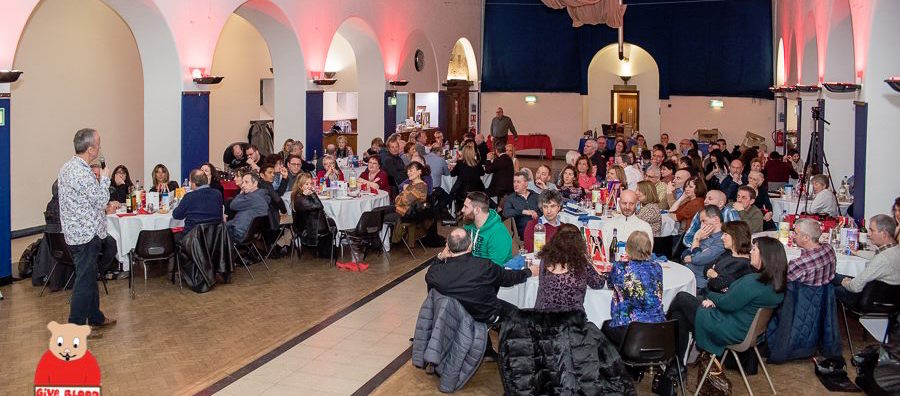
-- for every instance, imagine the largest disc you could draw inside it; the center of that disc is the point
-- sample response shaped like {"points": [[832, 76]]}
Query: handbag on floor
{"points": [[716, 383]]}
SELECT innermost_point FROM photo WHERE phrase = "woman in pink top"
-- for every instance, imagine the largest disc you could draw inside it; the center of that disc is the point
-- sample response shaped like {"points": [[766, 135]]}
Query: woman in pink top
{"points": [[586, 173]]}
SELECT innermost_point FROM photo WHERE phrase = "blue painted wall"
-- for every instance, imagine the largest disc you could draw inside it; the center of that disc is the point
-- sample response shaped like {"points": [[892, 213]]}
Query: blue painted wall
{"points": [[5, 222], [194, 131], [314, 119], [390, 118]]}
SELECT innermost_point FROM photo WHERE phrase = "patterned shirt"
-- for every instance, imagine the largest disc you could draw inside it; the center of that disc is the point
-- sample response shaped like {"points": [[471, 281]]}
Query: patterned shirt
{"points": [[637, 293], [82, 201], [814, 267]]}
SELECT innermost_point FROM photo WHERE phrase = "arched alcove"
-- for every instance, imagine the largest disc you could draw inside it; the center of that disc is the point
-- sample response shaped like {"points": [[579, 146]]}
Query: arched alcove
{"points": [[83, 70], [779, 64], [463, 65], [605, 71], [426, 79], [243, 58], [369, 75]]}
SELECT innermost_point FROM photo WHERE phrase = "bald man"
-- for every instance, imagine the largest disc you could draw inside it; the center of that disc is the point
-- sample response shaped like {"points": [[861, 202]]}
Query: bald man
{"points": [[735, 179], [626, 223], [676, 186], [713, 197]]}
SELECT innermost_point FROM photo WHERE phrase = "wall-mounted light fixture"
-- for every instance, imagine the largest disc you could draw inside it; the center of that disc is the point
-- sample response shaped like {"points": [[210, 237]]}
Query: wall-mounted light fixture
{"points": [[200, 77], [398, 83], [328, 80], [808, 88], [8, 76], [894, 82], [716, 104], [840, 87], [530, 99], [625, 79]]}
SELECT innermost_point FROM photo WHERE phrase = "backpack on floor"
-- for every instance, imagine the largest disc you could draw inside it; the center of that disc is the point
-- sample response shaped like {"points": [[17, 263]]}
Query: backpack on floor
{"points": [[878, 370], [26, 262]]}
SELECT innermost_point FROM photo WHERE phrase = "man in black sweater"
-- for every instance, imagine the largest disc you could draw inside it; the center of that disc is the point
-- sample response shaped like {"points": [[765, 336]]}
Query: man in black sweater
{"points": [[473, 281], [392, 163], [202, 205], [276, 206]]}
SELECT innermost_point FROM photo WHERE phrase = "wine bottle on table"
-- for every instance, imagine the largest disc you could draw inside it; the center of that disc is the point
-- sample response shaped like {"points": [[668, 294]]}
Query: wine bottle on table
{"points": [[613, 247]]}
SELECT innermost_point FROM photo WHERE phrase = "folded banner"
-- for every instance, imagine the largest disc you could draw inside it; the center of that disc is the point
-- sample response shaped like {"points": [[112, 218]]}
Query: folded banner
{"points": [[591, 12]]}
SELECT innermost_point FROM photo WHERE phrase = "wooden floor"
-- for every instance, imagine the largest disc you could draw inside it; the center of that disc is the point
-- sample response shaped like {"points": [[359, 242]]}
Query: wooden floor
{"points": [[171, 341]]}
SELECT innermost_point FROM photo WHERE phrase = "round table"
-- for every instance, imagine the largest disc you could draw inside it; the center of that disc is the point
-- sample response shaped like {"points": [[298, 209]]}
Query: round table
{"points": [[846, 265], [669, 225], [785, 206], [347, 212], [125, 230], [676, 278]]}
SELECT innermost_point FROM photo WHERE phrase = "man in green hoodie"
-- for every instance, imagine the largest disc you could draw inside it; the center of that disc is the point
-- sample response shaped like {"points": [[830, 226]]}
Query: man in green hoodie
{"points": [[490, 239]]}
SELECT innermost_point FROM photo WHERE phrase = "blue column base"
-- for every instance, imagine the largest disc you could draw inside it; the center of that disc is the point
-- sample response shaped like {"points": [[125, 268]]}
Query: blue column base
{"points": [[5, 188]]}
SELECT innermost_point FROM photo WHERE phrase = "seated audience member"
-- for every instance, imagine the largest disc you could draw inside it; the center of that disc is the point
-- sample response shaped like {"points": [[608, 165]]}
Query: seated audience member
{"points": [[473, 281], [667, 172], [522, 204], [286, 148], [657, 156], [235, 158], [121, 184], [619, 148], [817, 262], [597, 159], [626, 222], [481, 147], [586, 176], [409, 150], [276, 204], [639, 147], [713, 197], [343, 150], [566, 272], [685, 162], [408, 204], [541, 180], [393, 164], [793, 159], [735, 263], [490, 239], [568, 184], [200, 206], [161, 182], [551, 203], [691, 201], [254, 158], [511, 152], [723, 319], [330, 170], [293, 167], [502, 168], [824, 201], [374, 177], [252, 202], [675, 187], [438, 165], [884, 266], [735, 179], [637, 289], [716, 169], [707, 245], [212, 174], [438, 140], [297, 150], [375, 149], [571, 157], [778, 172], [649, 211], [468, 172], [426, 174], [309, 217], [632, 173], [756, 180], [654, 177], [749, 213]]}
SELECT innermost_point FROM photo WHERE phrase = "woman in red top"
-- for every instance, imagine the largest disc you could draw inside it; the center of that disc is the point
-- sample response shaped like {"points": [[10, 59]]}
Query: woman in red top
{"points": [[691, 201], [779, 171], [331, 170], [374, 177]]}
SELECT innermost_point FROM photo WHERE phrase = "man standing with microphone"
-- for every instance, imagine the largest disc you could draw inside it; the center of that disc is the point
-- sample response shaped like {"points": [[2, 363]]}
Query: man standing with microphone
{"points": [[501, 125], [82, 203]]}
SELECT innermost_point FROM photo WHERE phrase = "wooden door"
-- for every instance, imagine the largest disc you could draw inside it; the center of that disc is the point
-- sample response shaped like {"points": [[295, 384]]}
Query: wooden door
{"points": [[457, 111], [626, 109]]}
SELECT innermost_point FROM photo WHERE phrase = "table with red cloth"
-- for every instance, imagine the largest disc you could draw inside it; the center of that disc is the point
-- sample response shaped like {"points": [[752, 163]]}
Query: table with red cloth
{"points": [[525, 142], [229, 189]]}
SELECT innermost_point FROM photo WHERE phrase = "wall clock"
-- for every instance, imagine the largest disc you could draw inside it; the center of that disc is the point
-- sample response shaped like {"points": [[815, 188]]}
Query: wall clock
{"points": [[420, 60]]}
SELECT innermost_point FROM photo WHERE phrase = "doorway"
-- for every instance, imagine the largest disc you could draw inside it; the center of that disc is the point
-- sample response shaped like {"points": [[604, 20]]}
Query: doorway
{"points": [[625, 107]]}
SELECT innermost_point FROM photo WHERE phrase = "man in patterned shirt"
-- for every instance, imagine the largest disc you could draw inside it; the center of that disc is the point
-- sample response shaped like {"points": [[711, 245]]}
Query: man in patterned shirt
{"points": [[817, 262], [82, 203]]}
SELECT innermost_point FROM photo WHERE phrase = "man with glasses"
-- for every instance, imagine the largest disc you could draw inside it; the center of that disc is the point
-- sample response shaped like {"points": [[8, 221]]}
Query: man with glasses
{"points": [[501, 125], [653, 176], [295, 166], [551, 204]]}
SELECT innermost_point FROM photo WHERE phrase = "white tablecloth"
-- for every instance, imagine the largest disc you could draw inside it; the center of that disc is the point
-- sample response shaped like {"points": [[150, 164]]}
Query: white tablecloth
{"points": [[669, 225], [676, 278], [125, 230], [788, 206], [846, 265], [347, 212]]}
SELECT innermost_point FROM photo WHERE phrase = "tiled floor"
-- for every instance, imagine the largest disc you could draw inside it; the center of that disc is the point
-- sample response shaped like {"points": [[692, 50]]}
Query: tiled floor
{"points": [[344, 356]]}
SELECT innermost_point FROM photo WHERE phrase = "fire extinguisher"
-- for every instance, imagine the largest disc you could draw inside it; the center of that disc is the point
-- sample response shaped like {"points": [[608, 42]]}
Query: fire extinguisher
{"points": [[778, 137]]}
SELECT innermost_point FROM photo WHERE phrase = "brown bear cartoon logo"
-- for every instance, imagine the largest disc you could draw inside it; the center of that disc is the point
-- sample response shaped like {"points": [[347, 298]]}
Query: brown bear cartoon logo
{"points": [[67, 362]]}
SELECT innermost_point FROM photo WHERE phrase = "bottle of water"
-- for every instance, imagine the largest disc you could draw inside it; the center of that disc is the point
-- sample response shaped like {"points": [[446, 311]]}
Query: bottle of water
{"points": [[540, 236], [186, 185]]}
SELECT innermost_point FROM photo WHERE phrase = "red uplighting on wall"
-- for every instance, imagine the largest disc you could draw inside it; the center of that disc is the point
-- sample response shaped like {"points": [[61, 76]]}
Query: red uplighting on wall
{"points": [[861, 16]]}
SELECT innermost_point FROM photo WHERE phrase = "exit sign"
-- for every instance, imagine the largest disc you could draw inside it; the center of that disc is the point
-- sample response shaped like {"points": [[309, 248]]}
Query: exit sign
{"points": [[2, 116]]}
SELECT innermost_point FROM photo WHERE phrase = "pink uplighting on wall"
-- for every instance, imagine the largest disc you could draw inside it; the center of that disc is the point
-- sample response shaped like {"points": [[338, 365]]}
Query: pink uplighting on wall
{"points": [[13, 16], [861, 16]]}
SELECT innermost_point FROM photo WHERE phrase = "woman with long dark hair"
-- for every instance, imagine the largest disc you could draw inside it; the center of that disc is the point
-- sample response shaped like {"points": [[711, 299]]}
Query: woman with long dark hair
{"points": [[121, 184], [716, 170], [735, 262], [724, 318], [212, 174], [568, 184], [566, 272]]}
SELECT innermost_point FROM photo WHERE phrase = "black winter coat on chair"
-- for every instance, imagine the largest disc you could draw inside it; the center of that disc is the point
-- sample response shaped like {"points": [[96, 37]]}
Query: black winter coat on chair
{"points": [[559, 353], [313, 226]]}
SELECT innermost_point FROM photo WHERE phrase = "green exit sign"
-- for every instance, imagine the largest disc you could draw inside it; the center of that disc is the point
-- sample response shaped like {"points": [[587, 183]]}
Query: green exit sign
{"points": [[2, 116]]}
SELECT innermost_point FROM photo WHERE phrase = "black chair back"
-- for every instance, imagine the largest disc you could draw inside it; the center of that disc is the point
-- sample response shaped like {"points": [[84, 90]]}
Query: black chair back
{"points": [[155, 244], [58, 248], [257, 226], [880, 297], [370, 223], [649, 343]]}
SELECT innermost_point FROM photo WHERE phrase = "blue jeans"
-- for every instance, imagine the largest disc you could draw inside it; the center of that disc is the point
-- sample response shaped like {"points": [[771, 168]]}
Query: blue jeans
{"points": [[85, 306]]}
